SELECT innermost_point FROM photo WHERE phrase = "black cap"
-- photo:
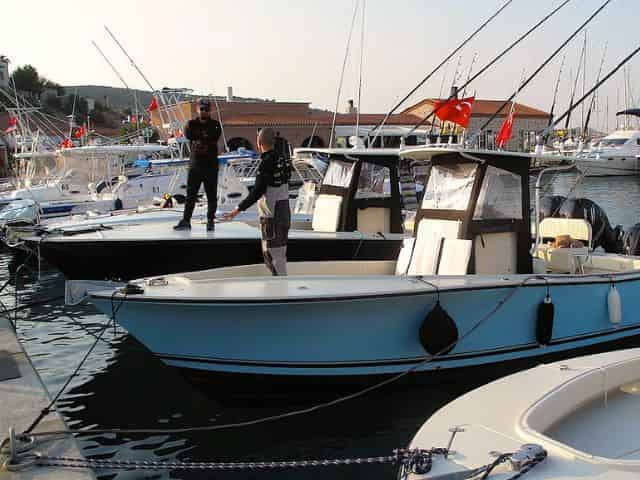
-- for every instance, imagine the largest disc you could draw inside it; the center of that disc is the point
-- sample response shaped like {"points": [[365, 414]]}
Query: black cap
{"points": [[204, 104]]}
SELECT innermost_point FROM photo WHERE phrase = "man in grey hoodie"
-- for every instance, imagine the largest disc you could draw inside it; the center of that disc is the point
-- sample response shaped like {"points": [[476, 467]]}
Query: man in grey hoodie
{"points": [[271, 192]]}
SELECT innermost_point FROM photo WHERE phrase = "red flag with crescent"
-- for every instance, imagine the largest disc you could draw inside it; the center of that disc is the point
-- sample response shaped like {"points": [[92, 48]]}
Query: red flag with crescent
{"points": [[506, 130], [455, 110]]}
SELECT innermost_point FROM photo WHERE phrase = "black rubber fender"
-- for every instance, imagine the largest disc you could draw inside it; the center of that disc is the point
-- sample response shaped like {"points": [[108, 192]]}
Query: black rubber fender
{"points": [[438, 332]]}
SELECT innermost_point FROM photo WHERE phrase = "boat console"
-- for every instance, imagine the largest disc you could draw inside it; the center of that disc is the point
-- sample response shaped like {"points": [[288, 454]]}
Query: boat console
{"points": [[481, 197], [359, 192]]}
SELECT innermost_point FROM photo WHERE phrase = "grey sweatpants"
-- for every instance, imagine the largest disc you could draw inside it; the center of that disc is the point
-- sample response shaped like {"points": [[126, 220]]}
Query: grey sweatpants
{"points": [[275, 233]]}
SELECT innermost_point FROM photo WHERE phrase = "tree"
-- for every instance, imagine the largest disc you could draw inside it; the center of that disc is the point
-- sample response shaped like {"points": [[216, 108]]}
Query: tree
{"points": [[26, 79], [48, 84]]}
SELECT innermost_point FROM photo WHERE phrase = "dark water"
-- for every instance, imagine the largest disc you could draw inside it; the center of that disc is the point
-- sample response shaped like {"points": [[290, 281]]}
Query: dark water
{"points": [[122, 385]]}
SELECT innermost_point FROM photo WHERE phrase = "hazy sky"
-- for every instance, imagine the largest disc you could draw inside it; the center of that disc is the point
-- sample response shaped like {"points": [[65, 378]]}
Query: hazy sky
{"points": [[293, 50]]}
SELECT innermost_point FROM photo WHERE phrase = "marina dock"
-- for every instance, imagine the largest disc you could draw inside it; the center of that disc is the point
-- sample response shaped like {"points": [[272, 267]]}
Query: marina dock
{"points": [[23, 397]]}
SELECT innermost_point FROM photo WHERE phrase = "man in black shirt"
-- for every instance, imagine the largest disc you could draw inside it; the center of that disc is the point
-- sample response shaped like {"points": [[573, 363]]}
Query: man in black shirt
{"points": [[203, 133], [271, 193]]}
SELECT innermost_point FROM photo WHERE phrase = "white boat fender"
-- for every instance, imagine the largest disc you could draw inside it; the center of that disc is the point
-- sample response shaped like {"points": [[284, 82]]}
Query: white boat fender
{"points": [[438, 332], [544, 322], [614, 302]]}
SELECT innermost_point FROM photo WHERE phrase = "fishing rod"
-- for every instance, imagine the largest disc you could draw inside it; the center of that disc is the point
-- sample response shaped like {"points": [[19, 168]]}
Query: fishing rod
{"points": [[544, 64], [546, 131], [133, 64], [593, 98], [473, 61], [344, 66], [575, 83], [555, 92], [444, 77], [115, 70], [452, 89], [495, 60], [380, 124]]}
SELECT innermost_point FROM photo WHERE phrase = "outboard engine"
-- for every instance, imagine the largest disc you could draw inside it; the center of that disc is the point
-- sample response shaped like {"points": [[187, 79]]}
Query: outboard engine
{"points": [[604, 235], [549, 206], [631, 241]]}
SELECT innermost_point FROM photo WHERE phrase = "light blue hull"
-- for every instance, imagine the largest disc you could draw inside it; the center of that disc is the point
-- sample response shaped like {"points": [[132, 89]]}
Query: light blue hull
{"points": [[373, 336]]}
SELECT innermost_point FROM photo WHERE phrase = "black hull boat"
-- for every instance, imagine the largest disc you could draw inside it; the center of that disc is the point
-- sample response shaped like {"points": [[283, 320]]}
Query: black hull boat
{"points": [[357, 215], [126, 260]]}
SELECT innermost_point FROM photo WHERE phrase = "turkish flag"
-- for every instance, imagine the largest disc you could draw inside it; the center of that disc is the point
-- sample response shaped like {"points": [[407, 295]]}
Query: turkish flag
{"points": [[504, 135], [455, 110], [66, 143], [79, 133], [11, 125], [153, 105]]}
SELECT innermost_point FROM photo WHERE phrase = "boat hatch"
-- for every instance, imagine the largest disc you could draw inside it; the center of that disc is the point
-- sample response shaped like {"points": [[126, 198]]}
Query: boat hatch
{"points": [[359, 193], [485, 199]]}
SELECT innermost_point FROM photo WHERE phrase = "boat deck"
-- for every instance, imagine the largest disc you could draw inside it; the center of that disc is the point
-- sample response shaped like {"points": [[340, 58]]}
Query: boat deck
{"points": [[605, 429]]}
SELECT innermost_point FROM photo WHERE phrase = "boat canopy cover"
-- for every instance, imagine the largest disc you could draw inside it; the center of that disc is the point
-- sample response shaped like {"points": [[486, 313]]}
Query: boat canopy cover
{"points": [[630, 111]]}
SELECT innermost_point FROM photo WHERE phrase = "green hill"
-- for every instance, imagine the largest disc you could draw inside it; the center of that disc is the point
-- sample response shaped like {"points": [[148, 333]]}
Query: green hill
{"points": [[116, 98]]}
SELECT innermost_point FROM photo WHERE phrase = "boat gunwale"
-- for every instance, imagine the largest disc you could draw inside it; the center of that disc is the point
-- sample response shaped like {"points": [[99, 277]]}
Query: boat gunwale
{"points": [[429, 284]]}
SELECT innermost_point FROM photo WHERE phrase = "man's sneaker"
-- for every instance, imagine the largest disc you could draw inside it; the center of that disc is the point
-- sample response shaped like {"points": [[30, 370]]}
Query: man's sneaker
{"points": [[183, 225], [211, 225]]}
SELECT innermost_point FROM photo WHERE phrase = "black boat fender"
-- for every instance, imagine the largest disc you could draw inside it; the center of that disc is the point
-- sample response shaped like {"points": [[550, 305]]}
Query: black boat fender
{"points": [[544, 322], [438, 332]]}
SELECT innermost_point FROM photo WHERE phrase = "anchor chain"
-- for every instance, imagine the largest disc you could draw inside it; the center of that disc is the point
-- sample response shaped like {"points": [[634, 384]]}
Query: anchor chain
{"points": [[416, 461]]}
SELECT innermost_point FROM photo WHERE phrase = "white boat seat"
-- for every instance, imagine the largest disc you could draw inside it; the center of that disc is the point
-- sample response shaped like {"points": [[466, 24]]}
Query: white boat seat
{"points": [[454, 256], [577, 228], [374, 220], [404, 257], [428, 243], [426, 251], [326, 214], [565, 260]]}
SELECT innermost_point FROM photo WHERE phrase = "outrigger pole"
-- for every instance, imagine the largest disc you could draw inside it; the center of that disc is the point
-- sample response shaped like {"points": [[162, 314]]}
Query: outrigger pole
{"points": [[547, 130], [555, 92], [542, 66], [575, 83], [497, 58], [585, 127], [377, 127]]}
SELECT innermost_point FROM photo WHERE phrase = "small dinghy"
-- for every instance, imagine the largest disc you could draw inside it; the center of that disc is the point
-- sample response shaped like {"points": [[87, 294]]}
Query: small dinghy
{"points": [[582, 413], [468, 290]]}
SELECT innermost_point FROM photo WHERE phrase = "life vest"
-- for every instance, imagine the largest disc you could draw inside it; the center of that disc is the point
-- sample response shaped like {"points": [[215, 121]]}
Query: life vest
{"points": [[282, 169]]}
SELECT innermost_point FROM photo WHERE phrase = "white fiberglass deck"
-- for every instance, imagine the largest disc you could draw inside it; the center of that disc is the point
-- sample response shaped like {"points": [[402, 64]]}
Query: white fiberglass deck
{"points": [[163, 230], [583, 411]]}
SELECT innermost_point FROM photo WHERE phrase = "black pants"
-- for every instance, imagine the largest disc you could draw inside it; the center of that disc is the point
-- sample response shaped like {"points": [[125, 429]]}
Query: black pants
{"points": [[197, 176]]}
